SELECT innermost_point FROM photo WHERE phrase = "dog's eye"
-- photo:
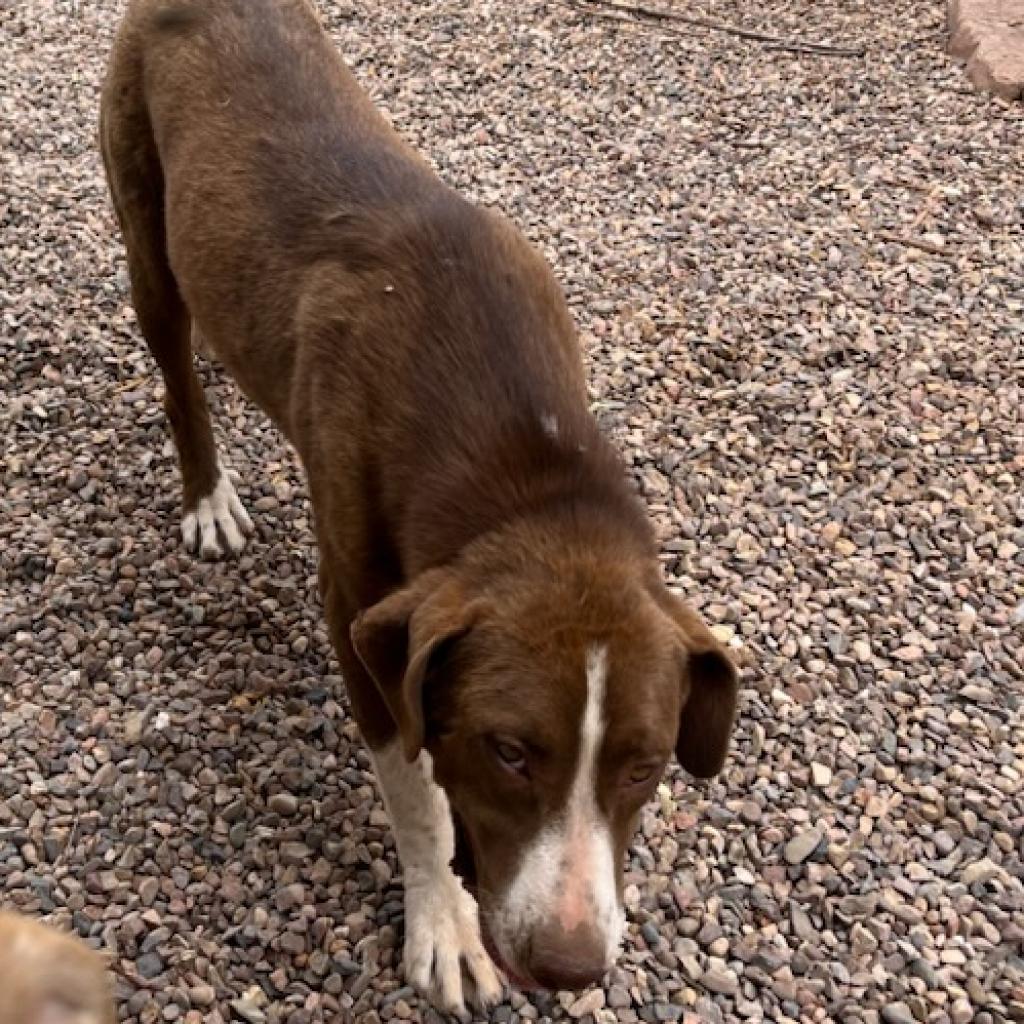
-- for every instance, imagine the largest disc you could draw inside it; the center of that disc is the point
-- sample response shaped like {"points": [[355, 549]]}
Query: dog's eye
{"points": [[511, 754], [641, 773]]}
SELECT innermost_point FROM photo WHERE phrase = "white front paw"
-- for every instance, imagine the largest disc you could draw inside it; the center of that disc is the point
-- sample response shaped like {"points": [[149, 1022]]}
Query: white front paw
{"points": [[219, 515], [442, 933]]}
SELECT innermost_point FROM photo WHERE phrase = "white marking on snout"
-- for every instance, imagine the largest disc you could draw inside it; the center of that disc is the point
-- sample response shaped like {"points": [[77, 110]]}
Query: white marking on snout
{"points": [[569, 870], [549, 424]]}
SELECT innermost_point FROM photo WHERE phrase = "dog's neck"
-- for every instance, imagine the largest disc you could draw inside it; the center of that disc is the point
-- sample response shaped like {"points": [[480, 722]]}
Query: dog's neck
{"points": [[571, 488]]}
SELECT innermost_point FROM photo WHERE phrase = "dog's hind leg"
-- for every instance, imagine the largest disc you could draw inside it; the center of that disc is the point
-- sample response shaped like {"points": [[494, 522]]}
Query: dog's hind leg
{"points": [[213, 514]]}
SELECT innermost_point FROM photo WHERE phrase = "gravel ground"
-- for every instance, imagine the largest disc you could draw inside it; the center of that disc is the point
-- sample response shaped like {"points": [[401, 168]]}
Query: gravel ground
{"points": [[798, 281]]}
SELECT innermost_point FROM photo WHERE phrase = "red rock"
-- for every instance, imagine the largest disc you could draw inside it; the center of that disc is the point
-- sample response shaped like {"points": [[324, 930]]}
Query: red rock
{"points": [[989, 36]]}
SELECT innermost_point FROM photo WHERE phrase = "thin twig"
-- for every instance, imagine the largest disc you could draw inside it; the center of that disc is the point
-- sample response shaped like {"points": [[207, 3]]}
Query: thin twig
{"points": [[69, 843], [814, 49], [777, 42], [913, 243]]}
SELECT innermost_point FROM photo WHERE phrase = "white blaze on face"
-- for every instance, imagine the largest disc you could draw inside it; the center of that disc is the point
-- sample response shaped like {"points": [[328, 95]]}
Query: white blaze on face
{"points": [[569, 870]]}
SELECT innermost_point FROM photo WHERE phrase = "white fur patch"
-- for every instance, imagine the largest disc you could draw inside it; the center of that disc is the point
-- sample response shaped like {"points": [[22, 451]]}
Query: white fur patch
{"points": [[219, 515], [569, 870], [442, 928], [549, 424]]}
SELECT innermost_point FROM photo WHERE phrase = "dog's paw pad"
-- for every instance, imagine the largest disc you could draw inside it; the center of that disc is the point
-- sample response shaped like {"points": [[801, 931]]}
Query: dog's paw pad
{"points": [[219, 520], [443, 949]]}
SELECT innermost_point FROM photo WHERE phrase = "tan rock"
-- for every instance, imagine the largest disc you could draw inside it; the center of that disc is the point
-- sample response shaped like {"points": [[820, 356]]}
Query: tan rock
{"points": [[989, 36]]}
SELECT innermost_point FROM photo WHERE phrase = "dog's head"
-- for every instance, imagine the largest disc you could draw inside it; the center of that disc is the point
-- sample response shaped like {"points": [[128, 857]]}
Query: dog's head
{"points": [[550, 697]]}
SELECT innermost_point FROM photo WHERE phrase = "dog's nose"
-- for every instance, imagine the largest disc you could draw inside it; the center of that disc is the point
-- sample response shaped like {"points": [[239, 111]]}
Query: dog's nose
{"points": [[561, 959]]}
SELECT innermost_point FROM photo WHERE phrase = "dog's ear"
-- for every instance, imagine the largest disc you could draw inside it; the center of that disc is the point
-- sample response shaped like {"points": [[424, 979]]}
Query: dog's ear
{"points": [[397, 638], [709, 683]]}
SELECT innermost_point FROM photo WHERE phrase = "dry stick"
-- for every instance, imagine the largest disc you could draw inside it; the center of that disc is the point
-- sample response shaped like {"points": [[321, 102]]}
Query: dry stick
{"points": [[913, 243], [814, 49], [778, 42]]}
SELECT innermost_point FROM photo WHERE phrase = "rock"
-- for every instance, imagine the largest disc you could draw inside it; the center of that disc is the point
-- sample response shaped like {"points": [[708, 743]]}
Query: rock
{"points": [[295, 853], [618, 997], [909, 653], [202, 995], [750, 812], [289, 896], [898, 1013], [821, 775], [234, 812], [284, 804], [830, 532], [876, 807], [858, 905], [150, 965], [134, 726], [961, 1012], [862, 940], [989, 36], [148, 889], [803, 928], [981, 871], [802, 845], [589, 1002], [920, 968], [720, 980], [977, 694], [861, 650], [247, 1011]]}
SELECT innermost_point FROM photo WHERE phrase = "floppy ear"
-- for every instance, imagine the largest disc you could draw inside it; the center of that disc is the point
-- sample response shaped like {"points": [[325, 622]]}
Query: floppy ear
{"points": [[709, 684], [396, 638]]}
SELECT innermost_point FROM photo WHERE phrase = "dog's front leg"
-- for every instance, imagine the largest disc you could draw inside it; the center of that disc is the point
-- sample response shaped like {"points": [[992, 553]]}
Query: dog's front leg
{"points": [[442, 930], [442, 927]]}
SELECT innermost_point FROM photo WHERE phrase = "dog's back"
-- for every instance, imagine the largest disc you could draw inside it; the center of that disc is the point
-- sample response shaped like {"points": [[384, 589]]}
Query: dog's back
{"points": [[326, 265], [49, 978], [242, 123]]}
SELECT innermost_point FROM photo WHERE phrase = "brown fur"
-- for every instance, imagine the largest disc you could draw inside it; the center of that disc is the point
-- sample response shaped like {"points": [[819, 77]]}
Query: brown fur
{"points": [[409, 345], [47, 977]]}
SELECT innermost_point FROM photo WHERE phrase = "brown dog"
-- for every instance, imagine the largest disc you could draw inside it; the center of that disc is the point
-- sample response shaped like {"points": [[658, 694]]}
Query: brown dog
{"points": [[47, 977], [512, 656]]}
